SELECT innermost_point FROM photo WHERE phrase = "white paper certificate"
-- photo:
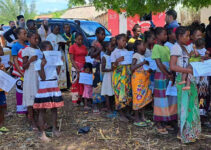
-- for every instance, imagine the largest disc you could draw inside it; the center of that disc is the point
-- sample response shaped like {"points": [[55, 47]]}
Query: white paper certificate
{"points": [[128, 57], [6, 81], [86, 78], [171, 90], [201, 68], [53, 58], [4, 60], [152, 64], [88, 59]]}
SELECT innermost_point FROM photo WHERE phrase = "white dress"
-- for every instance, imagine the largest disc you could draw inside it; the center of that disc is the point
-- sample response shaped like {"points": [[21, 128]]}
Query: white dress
{"points": [[31, 83], [107, 88]]}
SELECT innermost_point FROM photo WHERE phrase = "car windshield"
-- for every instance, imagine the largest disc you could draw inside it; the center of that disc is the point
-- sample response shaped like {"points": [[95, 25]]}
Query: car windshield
{"points": [[90, 27]]}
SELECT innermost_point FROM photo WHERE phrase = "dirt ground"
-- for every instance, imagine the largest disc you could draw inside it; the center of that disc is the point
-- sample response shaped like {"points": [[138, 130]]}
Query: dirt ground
{"points": [[105, 134]]}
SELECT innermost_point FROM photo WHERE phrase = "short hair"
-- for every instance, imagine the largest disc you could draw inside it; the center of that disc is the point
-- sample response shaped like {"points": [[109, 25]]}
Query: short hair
{"points": [[195, 26], [147, 35], [118, 37], [169, 31], [200, 42], [172, 13], [88, 65], [18, 30], [30, 22], [159, 30], [11, 22], [130, 46], [66, 24], [99, 29], [181, 30], [31, 33], [210, 18], [136, 44], [43, 45], [78, 34]]}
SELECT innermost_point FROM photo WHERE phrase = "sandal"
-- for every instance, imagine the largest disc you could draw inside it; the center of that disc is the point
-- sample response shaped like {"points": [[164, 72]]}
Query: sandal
{"points": [[140, 124], [162, 131], [170, 128], [149, 122], [4, 129]]}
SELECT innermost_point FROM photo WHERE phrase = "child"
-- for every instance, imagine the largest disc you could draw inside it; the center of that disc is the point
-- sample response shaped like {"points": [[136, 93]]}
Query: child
{"points": [[30, 85], [87, 93], [107, 89], [121, 79], [149, 39], [198, 54], [142, 95], [171, 38], [165, 109], [113, 42], [96, 53], [77, 52], [49, 95], [3, 105]]}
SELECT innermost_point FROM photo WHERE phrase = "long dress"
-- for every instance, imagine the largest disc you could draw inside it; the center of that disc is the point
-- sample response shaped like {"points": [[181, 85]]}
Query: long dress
{"points": [[79, 54], [55, 39], [165, 108], [107, 88], [188, 106], [121, 81], [30, 84], [142, 95]]}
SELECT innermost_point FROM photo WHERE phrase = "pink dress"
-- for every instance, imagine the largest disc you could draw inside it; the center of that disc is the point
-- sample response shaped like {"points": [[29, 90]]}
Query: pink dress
{"points": [[87, 91]]}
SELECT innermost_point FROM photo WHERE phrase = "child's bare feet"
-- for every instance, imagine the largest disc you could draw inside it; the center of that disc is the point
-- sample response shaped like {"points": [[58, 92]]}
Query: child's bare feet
{"points": [[182, 82], [44, 138], [123, 119], [186, 88]]}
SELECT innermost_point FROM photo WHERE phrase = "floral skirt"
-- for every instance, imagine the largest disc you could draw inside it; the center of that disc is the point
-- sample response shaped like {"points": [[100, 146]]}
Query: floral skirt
{"points": [[122, 86], [142, 95], [188, 112]]}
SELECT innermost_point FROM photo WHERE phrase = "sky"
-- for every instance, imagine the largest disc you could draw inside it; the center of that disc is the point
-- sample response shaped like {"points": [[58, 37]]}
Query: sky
{"points": [[44, 6]]}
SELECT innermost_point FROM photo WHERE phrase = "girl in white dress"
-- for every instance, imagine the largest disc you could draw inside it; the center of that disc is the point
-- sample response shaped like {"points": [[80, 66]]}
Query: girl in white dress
{"points": [[107, 89], [30, 85]]}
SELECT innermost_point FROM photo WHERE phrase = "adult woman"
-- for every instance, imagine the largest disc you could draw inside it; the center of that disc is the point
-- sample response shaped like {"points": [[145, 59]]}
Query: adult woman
{"points": [[188, 108], [77, 52], [136, 34], [57, 41]]}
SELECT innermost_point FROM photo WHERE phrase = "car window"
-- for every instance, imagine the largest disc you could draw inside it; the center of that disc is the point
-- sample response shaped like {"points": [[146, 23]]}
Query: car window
{"points": [[90, 27]]}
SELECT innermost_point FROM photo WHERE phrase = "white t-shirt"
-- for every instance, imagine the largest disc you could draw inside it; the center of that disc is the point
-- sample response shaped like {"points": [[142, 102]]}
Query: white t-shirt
{"points": [[139, 57], [169, 45], [116, 54], [148, 53]]}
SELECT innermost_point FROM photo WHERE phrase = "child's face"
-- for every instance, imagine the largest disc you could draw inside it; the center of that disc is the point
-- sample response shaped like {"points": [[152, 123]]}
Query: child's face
{"points": [[141, 48], [163, 36], [48, 48], [79, 40], [172, 36], [197, 35], [56, 30], [34, 39], [137, 32], [151, 40], [101, 36], [110, 48], [113, 41], [185, 38], [67, 29], [87, 70], [122, 42], [23, 35]]}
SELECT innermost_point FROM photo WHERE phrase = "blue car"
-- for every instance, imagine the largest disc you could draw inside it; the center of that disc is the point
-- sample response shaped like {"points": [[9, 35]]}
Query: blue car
{"points": [[86, 27]]}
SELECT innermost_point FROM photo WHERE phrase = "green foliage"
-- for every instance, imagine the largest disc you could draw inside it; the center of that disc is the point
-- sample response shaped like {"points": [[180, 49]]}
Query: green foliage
{"points": [[10, 9], [142, 7], [57, 14]]}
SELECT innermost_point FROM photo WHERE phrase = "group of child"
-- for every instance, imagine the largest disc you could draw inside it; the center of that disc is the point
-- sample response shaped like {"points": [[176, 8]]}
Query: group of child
{"points": [[130, 85]]}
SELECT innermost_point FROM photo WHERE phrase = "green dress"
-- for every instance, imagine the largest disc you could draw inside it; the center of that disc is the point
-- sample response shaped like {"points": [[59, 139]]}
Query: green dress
{"points": [[187, 103]]}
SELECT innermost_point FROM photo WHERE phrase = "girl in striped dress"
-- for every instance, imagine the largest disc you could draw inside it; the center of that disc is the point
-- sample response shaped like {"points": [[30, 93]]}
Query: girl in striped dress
{"points": [[165, 109], [49, 95]]}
